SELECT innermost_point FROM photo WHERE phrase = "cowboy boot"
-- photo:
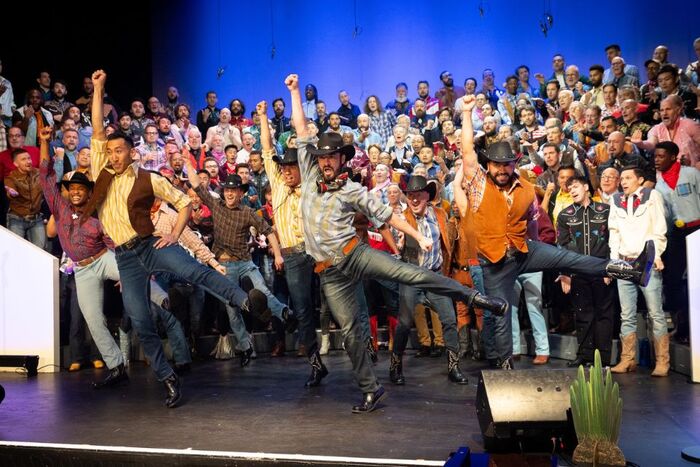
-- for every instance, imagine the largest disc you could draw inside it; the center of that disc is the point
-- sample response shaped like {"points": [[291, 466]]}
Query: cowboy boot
{"points": [[663, 358], [479, 352], [318, 371], [396, 370], [466, 346], [627, 356], [453, 372], [371, 351], [496, 305], [638, 271]]}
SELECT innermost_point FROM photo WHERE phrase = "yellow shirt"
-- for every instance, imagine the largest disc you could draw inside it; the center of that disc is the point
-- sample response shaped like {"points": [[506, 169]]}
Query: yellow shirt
{"points": [[563, 200], [113, 213], [285, 205]]}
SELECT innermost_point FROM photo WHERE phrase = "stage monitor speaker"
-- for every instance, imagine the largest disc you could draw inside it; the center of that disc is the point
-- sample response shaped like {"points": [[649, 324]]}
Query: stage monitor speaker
{"points": [[524, 410]]}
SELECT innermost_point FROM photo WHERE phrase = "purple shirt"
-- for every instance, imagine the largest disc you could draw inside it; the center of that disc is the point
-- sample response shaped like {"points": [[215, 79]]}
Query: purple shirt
{"points": [[78, 241]]}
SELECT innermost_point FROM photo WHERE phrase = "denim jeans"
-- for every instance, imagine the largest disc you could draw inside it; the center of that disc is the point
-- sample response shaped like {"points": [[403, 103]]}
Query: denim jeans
{"points": [[33, 230], [138, 264], [409, 296], [499, 281], [340, 285], [299, 273], [235, 270], [531, 283], [628, 303], [89, 281], [80, 348]]}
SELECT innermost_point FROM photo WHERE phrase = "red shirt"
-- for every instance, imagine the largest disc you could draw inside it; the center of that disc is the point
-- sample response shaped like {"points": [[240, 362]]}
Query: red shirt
{"points": [[6, 164]]}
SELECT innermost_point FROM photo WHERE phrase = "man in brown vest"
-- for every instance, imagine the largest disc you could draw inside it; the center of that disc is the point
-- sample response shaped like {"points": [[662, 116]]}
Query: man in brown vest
{"points": [[504, 211], [432, 223], [123, 197]]}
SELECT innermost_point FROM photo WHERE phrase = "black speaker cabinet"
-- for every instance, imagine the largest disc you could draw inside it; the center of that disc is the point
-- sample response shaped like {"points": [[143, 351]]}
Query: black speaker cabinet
{"points": [[523, 410]]}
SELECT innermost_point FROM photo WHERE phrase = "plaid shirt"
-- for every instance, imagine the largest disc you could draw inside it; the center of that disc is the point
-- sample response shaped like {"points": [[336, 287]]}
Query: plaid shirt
{"points": [[428, 226], [383, 125], [165, 219], [232, 226], [328, 217], [78, 241]]}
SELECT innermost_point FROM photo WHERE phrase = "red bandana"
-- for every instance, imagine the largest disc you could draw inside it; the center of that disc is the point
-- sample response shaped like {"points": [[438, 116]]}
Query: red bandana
{"points": [[672, 174]]}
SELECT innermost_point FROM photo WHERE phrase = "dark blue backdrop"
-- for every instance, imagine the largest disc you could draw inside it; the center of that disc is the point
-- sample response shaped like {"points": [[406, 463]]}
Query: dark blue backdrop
{"points": [[397, 41]]}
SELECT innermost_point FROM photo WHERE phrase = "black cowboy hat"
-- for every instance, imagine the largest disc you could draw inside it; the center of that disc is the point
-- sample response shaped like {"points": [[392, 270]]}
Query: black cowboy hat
{"points": [[79, 178], [500, 152], [288, 158], [420, 183], [234, 181], [330, 143]]}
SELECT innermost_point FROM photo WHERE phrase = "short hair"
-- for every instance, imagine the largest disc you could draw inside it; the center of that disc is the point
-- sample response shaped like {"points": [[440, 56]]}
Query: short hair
{"points": [[610, 85], [266, 189], [508, 78], [613, 46], [150, 125], [279, 99], [554, 82], [668, 146], [242, 165], [255, 152], [398, 85], [476, 83], [558, 55], [608, 117], [230, 146], [423, 82], [442, 73], [669, 68], [17, 152], [577, 178], [209, 92], [522, 66], [638, 172], [120, 135], [333, 113], [566, 167], [528, 108], [202, 171], [596, 68], [209, 159], [556, 147]]}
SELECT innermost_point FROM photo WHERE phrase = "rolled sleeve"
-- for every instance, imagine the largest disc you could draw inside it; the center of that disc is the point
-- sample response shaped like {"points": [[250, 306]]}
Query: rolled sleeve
{"points": [[164, 190]]}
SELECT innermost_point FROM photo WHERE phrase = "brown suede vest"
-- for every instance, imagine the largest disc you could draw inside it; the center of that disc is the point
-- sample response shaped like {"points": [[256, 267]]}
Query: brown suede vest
{"points": [[412, 249], [139, 201], [465, 241], [499, 226]]}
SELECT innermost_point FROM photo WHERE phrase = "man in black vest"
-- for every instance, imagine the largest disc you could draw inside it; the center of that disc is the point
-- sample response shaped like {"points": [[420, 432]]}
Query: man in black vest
{"points": [[123, 197]]}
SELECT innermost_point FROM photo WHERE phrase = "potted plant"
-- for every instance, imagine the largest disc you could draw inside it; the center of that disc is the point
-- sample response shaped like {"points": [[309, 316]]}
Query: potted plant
{"points": [[596, 409]]}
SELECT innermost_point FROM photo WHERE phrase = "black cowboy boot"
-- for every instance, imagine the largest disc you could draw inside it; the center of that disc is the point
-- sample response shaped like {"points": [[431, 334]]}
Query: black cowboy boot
{"points": [[453, 372], [396, 370], [638, 271], [318, 371]]}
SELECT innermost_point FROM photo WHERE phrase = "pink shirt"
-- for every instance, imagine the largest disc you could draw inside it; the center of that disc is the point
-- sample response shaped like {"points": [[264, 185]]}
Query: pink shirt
{"points": [[687, 137]]}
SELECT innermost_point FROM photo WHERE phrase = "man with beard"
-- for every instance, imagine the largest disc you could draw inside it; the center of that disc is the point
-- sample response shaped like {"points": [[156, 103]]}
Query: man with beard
{"points": [[448, 94], [673, 127], [432, 105], [238, 118], [348, 111], [139, 121], [595, 94], [173, 97], [401, 104], [531, 130], [504, 209], [334, 125], [279, 122], [209, 115], [329, 202], [620, 158], [421, 120], [32, 117], [507, 101], [364, 137], [58, 104], [612, 52], [630, 119], [650, 90]]}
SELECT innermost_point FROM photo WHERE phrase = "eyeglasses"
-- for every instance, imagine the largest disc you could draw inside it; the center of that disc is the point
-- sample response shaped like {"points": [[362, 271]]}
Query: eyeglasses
{"points": [[151, 133], [608, 177]]}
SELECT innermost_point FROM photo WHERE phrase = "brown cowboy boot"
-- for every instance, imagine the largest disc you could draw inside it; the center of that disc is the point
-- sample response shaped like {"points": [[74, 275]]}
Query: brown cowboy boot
{"points": [[627, 356], [663, 358]]}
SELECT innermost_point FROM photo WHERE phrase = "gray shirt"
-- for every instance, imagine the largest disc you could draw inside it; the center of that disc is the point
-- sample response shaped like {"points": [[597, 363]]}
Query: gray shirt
{"points": [[328, 217]]}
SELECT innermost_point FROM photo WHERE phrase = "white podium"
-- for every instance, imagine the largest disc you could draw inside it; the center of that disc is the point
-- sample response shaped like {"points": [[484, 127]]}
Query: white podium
{"points": [[28, 302]]}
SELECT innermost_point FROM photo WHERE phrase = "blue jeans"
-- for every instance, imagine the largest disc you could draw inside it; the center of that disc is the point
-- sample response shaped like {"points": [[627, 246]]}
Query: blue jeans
{"points": [[531, 283], [137, 265], [499, 281], [628, 303], [89, 281], [32, 230], [299, 273], [409, 296], [340, 285], [235, 270]]}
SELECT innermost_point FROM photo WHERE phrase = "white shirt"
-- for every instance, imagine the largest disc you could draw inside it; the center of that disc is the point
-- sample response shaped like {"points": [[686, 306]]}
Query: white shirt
{"points": [[630, 227], [7, 100]]}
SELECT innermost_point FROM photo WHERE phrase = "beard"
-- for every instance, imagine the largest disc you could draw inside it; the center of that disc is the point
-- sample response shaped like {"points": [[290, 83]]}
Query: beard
{"points": [[501, 184]]}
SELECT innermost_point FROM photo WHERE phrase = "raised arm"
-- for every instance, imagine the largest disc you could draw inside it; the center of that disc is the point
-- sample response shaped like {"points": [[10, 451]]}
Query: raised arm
{"points": [[265, 139], [292, 83], [44, 137], [98, 127], [459, 193], [470, 163]]}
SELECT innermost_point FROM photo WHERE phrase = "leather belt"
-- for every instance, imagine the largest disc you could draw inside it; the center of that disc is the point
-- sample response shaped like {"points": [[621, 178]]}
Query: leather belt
{"points": [[629, 259], [298, 248], [84, 262], [470, 262], [226, 258], [31, 217], [347, 249], [131, 243]]}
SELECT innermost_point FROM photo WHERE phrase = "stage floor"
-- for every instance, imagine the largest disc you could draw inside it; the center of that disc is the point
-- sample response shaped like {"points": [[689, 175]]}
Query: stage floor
{"points": [[265, 408]]}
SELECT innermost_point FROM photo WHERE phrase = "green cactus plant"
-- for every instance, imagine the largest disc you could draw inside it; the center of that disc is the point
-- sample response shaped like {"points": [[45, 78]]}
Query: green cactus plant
{"points": [[596, 408]]}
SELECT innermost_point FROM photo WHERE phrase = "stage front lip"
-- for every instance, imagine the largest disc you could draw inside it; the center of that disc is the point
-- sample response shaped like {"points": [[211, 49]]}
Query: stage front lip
{"points": [[232, 455]]}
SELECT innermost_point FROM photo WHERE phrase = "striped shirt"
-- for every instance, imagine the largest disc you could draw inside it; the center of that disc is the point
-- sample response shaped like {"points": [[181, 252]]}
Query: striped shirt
{"points": [[232, 226], [114, 213], [383, 125], [328, 217], [285, 205]]}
